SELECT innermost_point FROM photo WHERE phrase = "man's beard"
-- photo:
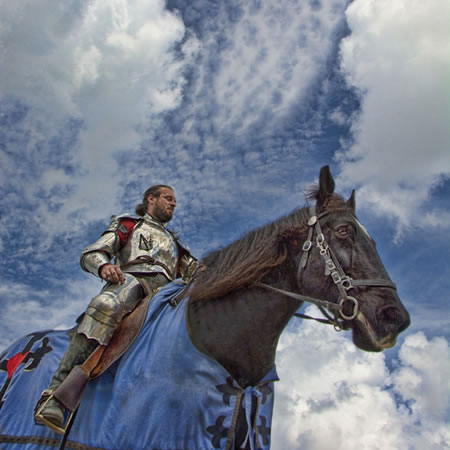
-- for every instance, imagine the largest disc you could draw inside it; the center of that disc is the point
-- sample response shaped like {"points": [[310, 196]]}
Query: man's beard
{"points": [[161, 214]]}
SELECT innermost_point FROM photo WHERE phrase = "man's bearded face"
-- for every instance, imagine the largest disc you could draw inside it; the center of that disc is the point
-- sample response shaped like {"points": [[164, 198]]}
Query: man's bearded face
{"points": [[164, 205]]}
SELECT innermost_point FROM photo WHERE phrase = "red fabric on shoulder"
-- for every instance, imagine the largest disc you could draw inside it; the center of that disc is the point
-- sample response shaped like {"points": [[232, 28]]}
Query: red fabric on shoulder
{"points": [[125, 228]]}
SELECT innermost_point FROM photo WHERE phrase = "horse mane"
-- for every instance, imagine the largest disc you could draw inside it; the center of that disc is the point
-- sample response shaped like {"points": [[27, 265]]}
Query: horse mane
{"points": [[248, 259]]}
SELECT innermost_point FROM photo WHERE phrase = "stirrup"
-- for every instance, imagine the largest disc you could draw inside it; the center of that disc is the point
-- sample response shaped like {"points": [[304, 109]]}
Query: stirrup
{"points": [[39, 419]]}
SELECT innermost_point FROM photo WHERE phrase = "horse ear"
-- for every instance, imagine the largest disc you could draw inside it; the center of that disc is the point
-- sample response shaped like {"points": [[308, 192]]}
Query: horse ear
{"points": [[326, 185], [351, 201]]}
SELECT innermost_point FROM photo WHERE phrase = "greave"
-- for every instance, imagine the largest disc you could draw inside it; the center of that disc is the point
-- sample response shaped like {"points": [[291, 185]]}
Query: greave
{"points": [[78, 351], [49, 411]]}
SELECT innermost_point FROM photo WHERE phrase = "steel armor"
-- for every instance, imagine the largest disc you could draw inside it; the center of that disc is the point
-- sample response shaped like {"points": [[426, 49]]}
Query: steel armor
{"points": [[149, 255]]}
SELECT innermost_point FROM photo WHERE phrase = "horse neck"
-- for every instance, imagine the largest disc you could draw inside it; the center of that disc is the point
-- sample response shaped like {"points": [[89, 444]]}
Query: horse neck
{"points": [[241, 330]]}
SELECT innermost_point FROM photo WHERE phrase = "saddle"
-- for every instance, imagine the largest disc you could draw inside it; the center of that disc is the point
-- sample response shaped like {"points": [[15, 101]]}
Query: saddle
{"points": [[125, 334], [122, 339]]}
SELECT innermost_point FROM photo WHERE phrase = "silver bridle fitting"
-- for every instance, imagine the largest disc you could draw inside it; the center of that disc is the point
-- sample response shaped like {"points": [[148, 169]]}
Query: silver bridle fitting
{"points": [[333, 269]]}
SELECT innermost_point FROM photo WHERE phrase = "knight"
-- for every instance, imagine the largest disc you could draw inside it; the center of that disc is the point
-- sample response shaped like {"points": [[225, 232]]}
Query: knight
{"points": [[136, 255]]}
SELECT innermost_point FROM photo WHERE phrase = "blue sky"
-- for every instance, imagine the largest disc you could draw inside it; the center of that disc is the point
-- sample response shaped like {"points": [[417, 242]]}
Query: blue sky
{"points": [[238, 105]]}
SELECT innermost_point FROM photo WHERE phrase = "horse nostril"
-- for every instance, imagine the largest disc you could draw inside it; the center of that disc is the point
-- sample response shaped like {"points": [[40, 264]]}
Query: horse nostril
{"points": [[392, 315]]}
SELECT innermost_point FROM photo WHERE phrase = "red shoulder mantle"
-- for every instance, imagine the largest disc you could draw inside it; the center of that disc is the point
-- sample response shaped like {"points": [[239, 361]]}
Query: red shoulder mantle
{"points": [[125, 228]]}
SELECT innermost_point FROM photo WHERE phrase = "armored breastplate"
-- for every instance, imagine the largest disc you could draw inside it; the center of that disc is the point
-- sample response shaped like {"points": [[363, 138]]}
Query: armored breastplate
{"points": [[150, 238]]}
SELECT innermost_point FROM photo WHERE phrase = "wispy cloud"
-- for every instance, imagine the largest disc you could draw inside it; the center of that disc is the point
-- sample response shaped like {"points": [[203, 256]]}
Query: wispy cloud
{"points": [[270, 59], [26, 308], [234, 141]]}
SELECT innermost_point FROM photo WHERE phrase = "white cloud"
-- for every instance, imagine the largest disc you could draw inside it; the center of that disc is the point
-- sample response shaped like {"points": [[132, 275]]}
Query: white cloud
{"points": [[424, 377], [109, 64], [332, 395], [338, 116], [26, 309], [397, 58]]}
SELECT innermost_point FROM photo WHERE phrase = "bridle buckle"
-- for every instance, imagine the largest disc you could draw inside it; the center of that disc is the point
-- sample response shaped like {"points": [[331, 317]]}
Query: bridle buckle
{"points": [[336, 277], [346, 283]]}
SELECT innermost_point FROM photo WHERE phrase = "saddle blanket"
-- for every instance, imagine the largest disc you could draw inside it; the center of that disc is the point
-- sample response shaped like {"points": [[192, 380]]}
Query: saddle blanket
{"points": [[162, 394]]}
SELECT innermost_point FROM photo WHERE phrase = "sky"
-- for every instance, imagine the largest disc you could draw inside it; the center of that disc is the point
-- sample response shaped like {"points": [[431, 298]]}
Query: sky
{"points": [[237, 104]]}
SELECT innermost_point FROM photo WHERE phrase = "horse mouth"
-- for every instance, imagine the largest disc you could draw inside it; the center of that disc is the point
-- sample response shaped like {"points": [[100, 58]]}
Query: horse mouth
{"points": [[366, 338]]}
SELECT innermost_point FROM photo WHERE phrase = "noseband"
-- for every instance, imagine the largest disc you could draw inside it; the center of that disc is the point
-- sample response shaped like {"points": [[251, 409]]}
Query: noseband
{"points": [[333, 269]]}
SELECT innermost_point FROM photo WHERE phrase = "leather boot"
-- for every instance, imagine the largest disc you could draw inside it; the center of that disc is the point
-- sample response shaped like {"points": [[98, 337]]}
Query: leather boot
{"points": [[78, 351]]}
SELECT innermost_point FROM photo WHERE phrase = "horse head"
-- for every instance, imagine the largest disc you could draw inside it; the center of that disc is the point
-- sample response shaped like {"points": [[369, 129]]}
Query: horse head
{"points": [[339, 263]]}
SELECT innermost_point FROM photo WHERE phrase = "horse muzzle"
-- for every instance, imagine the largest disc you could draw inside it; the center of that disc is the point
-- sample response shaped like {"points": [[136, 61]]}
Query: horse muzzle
{"points": [[381, 332]]}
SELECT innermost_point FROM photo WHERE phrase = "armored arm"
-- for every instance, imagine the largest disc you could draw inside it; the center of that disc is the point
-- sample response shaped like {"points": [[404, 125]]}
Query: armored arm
{"points": [[187, 267], [94, 256]]}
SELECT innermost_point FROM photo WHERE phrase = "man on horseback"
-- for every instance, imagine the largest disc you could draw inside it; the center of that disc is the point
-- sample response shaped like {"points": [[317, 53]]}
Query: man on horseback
{"points": [[147, 256]]}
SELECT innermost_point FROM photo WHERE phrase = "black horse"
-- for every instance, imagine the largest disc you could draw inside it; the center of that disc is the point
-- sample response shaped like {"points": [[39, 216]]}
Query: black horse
{"points": [[238, 307], [322, 252]]}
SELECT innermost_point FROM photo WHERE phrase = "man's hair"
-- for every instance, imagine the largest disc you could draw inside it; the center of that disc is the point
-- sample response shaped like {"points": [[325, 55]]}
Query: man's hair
{"points": [[154, 191]]}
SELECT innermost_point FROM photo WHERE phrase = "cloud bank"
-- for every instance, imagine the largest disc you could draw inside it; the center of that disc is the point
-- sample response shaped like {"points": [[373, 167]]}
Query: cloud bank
{"points": [[332, 395], [397, 59]]}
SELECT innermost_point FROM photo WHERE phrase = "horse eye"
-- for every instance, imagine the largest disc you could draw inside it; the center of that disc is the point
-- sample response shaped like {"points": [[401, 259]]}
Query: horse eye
{"points": [[343, 231]]}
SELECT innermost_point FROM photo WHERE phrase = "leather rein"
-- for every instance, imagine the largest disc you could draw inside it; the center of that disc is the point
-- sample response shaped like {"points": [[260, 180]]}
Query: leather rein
{"points": [[333, 268]]}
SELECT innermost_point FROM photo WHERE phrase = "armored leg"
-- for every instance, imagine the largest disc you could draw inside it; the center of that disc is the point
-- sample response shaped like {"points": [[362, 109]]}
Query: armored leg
{"points": [[107, 309], [78, 351], [102, 317]]}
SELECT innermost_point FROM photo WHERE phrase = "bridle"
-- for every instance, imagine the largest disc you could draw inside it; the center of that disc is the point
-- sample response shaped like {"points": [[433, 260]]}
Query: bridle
{"points": [[333, 268]]}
